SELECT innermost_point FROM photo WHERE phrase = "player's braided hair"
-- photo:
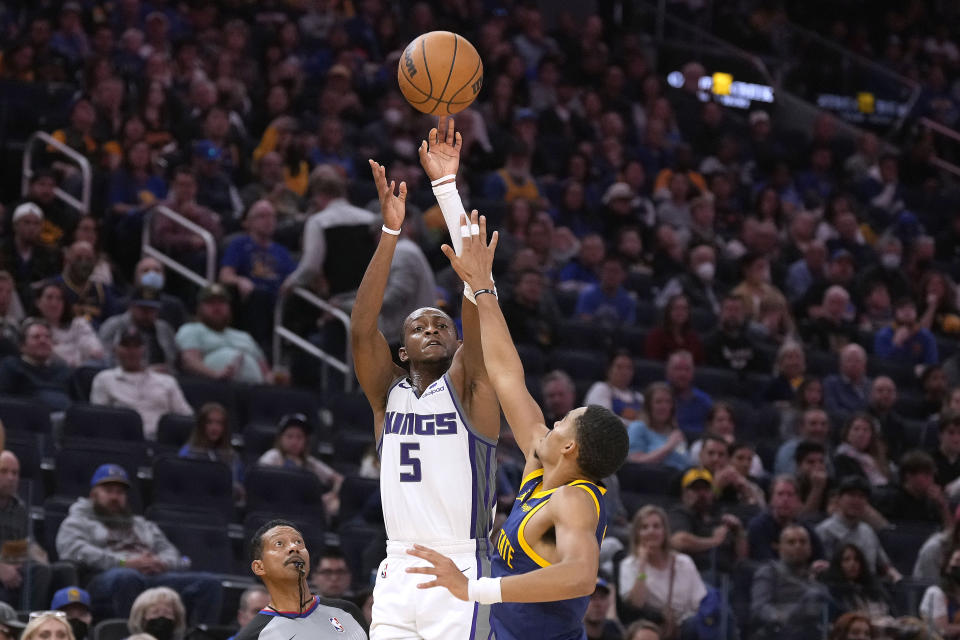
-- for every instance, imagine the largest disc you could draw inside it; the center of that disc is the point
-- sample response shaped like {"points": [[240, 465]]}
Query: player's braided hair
{"points": [[602, 442]]}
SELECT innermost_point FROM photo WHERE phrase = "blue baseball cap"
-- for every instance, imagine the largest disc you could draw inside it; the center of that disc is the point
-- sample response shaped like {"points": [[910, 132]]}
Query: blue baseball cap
{"points": [[109, 473], [70, 595]]}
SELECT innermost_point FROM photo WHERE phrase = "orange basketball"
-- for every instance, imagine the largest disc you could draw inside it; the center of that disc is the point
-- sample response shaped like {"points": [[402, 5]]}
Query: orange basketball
{"points": [[440, 73]]}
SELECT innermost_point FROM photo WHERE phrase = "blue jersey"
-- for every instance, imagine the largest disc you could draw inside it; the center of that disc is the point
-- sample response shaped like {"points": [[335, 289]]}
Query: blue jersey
{"points": [[560, 620]]}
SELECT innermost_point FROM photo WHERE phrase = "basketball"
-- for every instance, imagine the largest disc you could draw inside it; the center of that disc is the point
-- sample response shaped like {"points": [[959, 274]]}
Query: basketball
{"points": [[440, 73]]}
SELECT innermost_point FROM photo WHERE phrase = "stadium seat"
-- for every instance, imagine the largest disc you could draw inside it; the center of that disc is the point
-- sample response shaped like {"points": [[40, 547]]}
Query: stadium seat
{"points": [[647, 371], [532, 358], [193, 483], [821, 363], [903, 542], [640, 283], [174, 430], [566, 302], [719, 382], [102, 423], [199, 391], [256, 441], [179, 513], [77, 460], [646, 478], [762, 422], [28, 447], [631, 338], [912, 406], [111, 629], [20, 415], [265, 405], [354, 493], [900, 372], [351, 410], [208, 547], [356, 537], [285, 490], [647, 313], [350, 446], [702, 321], [579, 334], [579, 363], [920, 434], [83, 381]]}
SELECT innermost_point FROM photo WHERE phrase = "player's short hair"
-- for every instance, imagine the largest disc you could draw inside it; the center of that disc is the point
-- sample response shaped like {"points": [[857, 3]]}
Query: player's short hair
{"points": [[256, 542], [602, 442]]}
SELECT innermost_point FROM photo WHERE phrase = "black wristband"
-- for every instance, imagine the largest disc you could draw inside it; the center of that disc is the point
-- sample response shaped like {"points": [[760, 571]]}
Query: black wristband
{"points": [[479, 291]]}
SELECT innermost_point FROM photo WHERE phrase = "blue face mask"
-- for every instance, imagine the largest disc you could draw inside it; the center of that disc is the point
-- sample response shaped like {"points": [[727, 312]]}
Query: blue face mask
{"points": [[152, 279]]}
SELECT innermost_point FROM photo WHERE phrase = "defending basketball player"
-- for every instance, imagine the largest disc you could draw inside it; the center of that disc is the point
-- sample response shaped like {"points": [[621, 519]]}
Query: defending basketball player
{"points": [[547, 554], [436, 430]]}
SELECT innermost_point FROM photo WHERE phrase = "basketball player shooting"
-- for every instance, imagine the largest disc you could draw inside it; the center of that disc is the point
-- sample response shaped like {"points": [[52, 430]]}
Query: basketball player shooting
{"points": [[547, 553], [436, 430]]}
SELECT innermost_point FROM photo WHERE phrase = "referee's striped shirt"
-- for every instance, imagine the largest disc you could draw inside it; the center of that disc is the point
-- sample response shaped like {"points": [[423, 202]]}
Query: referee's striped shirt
{"points": [[325, 618]]}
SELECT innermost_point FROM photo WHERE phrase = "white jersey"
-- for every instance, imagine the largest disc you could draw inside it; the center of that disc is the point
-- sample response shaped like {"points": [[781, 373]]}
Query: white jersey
{"points": [[437, 474]]}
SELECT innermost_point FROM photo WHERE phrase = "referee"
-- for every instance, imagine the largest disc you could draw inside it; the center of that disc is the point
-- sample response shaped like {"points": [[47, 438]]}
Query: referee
{"points": [[282, 561]]}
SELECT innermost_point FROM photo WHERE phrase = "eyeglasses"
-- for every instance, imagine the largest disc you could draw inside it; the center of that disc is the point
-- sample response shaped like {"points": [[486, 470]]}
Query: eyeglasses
{"points": [[52, 614]]}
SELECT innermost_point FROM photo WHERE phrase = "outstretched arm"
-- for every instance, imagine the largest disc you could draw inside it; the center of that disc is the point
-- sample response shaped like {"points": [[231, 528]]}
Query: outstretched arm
{"points": [[573, 575], [504, 368], [440, 158], [371, 354]]}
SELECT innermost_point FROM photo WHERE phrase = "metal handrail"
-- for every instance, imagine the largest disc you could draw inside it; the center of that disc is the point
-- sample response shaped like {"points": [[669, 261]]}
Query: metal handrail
{"points": [[83, 204], [282, 333], [947, 132], [208, 240]]}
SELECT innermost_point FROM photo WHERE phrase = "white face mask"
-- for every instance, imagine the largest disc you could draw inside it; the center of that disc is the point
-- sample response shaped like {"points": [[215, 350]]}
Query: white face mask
{"points": [[152, 279], [890, 260], [705, 271]]}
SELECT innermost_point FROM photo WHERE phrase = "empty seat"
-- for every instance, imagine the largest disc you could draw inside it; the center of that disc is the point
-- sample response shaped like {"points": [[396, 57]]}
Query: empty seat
{"points": [[899, 372], [256, 441], [103, 423], [350, 409], [351, 445], [702, 321], [183, 514], [193, 483], [288, 491], [20, 415], [199, 391], [76, 462], [111, 629], [821, 363], [579, 363], [631, 338], [647, 371], [354, 494], [208, 547], [581, 334], [902, 543], [566, 302], [532, 358], [28, 447], [265, 405], [719, 382], [647, 313], [174, 430], [646, 478]]}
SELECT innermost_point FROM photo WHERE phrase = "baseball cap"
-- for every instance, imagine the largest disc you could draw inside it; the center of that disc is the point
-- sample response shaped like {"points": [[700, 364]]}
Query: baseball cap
{"points": [[109, 473], [602, 584], [27, 209], [841, 254], [293, 420], [70, 595], [130, 337], [697, 474], [146, 297], [854, 483], [617, 190], [8, 617], [213, 290]]}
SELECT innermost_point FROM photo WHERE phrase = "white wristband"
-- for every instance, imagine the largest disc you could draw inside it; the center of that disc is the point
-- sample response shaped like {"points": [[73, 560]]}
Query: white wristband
{"points": [[484, 590], [393, 232], [438, 181]]}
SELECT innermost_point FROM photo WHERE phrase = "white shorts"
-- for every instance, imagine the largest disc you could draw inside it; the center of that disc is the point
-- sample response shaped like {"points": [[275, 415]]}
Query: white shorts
{"points": [[401, 611]]}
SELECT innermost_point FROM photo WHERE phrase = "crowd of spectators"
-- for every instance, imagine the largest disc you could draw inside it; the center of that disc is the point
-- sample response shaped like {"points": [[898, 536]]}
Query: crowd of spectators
{"points": [[772, 312]]}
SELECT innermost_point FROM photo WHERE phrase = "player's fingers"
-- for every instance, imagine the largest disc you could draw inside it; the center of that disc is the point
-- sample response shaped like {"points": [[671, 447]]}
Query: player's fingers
{"points": [[432, 137], [393, 184], [427, 552], [403, 192], [494, 240], [428, 585], [423, 149], [450, 130], [430, 571], [459, 141], [448, 251], [483, 229]]}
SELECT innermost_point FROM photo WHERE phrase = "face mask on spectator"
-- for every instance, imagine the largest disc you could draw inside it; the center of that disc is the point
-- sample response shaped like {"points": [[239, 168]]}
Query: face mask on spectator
{"points": [[152, 279], [890, 260], [159, 628], [79, 628], [705, 271]]}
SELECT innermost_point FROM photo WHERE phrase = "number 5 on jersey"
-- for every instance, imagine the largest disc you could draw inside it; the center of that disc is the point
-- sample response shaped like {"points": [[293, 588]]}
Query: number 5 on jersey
{"points": [[407, 459]]}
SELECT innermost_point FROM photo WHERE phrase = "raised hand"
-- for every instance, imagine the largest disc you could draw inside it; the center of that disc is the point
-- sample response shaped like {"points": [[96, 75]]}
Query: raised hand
{"points": [[392, 207], [440, 152], [475, 262]]}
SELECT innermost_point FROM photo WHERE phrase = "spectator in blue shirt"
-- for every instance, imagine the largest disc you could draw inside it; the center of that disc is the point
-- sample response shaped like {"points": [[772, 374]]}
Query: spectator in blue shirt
{"points": [[608, 301], [693, 405], [906, 341], [257, 266], [583, 270]]}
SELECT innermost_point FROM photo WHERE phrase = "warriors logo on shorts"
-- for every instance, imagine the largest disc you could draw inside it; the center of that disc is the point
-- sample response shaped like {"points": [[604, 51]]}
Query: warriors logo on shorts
{"points": [[336, 624]]}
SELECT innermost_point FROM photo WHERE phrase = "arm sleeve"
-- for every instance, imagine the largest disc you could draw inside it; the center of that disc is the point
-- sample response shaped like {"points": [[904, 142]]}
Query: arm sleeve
{"points": [[627, 578], [98, 391], [762, 609], [178, 403], [232, 256], [314, 250], [164, 549], [452, 207], [72, 545], [187, 338]]}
